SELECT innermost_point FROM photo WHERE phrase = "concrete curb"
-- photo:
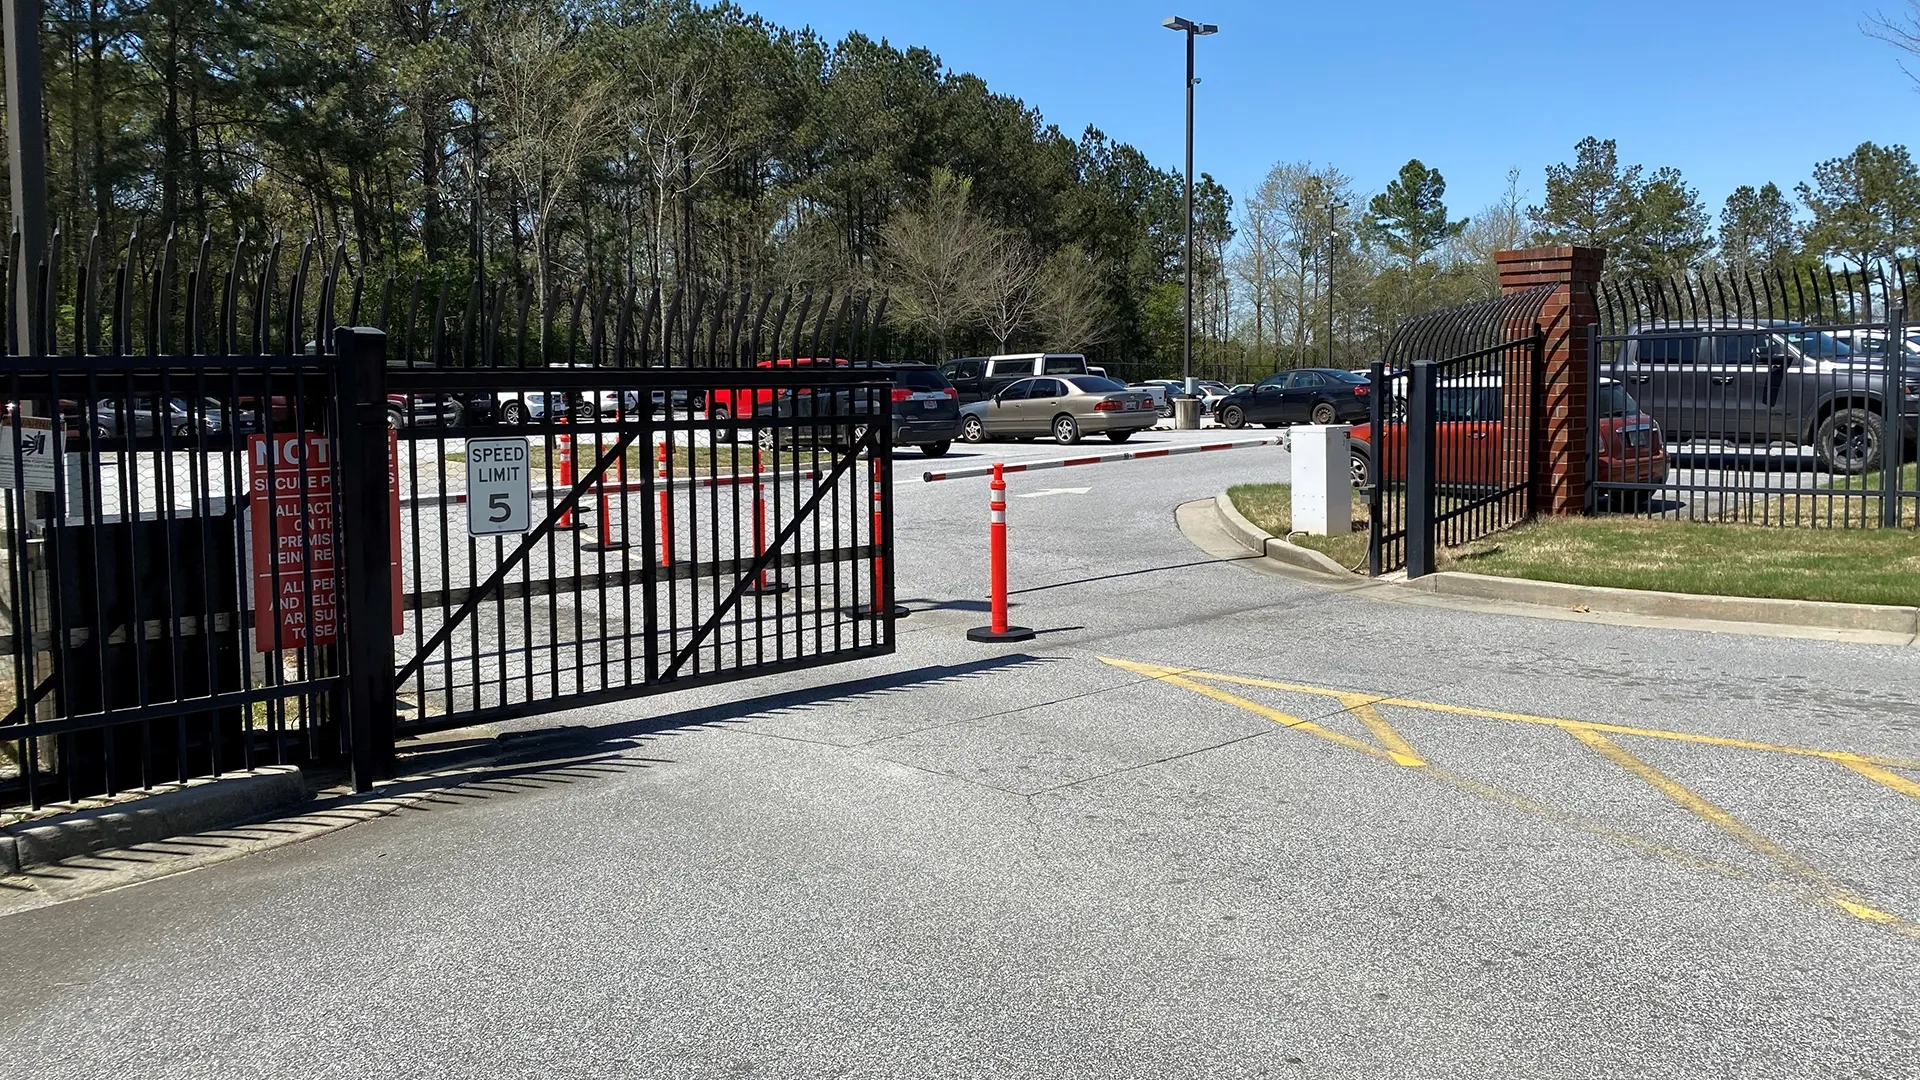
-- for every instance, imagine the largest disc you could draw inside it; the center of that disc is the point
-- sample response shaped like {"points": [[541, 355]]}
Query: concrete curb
{"points": [[195, 806], [1739, 609], [1277, 548], [1805, 614]]}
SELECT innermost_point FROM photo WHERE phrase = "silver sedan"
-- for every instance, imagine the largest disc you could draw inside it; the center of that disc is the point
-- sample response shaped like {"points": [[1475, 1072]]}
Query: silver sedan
{"points": [[1064, 406]]}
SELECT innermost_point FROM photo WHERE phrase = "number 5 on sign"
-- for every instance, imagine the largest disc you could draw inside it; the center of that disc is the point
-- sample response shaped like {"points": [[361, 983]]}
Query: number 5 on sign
{"points": [[499, 480]]}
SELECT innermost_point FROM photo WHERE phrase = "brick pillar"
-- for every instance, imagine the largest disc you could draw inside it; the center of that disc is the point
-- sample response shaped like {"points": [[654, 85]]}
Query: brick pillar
{"points": [[1560, 460]]}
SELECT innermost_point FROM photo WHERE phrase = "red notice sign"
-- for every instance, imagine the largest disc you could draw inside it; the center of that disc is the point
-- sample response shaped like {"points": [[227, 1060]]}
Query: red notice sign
{"points": [[295, 602]]}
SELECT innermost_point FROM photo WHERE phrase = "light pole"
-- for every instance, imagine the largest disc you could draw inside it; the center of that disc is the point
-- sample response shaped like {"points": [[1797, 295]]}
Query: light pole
{"points": [[1192, 30], [1333, 234]]}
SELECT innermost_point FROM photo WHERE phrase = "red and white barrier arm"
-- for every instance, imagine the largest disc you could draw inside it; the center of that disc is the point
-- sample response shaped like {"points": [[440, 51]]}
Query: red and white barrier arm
{"points": [[1098, 459]]}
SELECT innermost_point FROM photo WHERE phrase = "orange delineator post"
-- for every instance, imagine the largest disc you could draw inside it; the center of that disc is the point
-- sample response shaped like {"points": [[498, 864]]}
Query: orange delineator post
{"points": [[605, 541], [566, 475], [1001, 630], [666, 509], [764, 585]]}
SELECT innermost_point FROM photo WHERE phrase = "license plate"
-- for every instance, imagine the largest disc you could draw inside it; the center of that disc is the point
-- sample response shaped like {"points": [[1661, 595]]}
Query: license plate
{"points": [[1637, 437], [930, 404]]}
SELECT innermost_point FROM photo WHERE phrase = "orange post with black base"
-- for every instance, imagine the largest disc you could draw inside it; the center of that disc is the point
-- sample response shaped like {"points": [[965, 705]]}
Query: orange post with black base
{"points": [[1001, 630]]}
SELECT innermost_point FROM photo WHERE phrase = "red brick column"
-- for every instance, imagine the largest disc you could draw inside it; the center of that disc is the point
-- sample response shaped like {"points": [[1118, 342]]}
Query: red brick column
{"points": [[1560, 464]]}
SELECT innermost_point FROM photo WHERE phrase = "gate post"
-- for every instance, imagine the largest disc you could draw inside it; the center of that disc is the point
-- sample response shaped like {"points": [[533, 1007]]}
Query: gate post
{"points": [[363, 553], [1559, 455], [1423, 383]]}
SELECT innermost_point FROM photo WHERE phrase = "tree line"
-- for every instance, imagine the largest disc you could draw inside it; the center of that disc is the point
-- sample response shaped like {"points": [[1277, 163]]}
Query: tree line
{"points": [[554, 143]]}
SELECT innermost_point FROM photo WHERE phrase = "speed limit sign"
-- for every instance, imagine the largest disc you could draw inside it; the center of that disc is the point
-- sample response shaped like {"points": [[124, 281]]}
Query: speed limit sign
{"points": [[499, 483]]}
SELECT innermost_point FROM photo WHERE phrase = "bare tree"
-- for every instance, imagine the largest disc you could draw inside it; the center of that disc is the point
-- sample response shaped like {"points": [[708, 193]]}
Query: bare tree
{"points": [[668, 126], [1500, 227], [553, 111], [1070, 302], [1902, 33], [1010, 276], [936, 258]]}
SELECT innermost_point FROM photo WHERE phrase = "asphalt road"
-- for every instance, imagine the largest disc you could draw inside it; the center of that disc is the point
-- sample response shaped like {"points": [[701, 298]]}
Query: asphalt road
{"points": [[1213, 822]]}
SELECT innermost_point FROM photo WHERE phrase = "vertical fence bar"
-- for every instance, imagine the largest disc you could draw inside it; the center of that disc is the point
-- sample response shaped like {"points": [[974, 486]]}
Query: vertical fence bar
{"points": [[1420, 468], [1894, 439], [364, 521]]}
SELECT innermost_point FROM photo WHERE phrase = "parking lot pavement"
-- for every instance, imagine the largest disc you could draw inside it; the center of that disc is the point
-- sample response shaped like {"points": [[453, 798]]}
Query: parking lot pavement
{"points": [[1212, 823]]}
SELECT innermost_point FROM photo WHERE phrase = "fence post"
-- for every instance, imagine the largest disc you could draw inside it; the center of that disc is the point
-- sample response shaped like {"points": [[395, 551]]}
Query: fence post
{"points": [[1893, 443], [1377, 436], [364, 555], [1422, 388]]}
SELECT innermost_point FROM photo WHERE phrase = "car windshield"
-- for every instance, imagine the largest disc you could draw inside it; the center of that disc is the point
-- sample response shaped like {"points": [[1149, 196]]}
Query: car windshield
{"points": [[1615, 401], [1818, 345], [919, 379], [1094, 384]]}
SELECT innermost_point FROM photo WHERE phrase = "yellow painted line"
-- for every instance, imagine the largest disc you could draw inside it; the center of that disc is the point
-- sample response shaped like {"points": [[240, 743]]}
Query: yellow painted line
{"points": [[1283, 719], [1685, 798], [1401, 753], [1883, 777], [1844, 757]]}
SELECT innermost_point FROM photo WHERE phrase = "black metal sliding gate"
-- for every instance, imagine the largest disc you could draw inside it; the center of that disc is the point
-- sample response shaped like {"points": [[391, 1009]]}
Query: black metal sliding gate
{"points": [[1457, 414], [664, 549], [235, 536]]}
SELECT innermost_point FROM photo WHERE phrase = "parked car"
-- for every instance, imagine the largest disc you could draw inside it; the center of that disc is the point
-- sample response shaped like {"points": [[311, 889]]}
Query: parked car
{"points": [[1872, 344], [1240, 388], [1162, 391], [1211, 395], [727, 402], [1065, 407], [533, 407], [140, 417], [1767, 381], [1471, 447], [1301, 396], [415, 410], [923, 406], [978, 378]]}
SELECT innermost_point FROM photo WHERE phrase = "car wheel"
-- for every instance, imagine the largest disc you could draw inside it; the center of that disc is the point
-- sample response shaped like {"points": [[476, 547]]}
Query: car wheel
{"points": [[972, 430], [1119, 436], [395, 419], [1848, 441], [937, 449], [585, 411], [1166, 412], [720, 415], [1065, 431], [1324, 414], [1233, 417], [767, 438], [513, 414], [101, 431], [183, 431], [1362, 468]]}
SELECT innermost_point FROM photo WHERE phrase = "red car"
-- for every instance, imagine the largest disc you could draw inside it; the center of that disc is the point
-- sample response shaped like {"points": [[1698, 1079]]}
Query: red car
{"points": [[727, 402], [1473, 450]]}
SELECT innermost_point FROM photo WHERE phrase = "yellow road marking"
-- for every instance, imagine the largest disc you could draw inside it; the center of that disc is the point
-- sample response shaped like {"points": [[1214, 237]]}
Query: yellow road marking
{"points": [[1844, 757], [1594, 735], [1685, 798], [1883, 777]]}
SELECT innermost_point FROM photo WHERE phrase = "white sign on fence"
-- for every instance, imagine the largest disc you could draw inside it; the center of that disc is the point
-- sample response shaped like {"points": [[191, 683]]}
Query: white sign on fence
{"points": [[34, 451], [499, 487]]}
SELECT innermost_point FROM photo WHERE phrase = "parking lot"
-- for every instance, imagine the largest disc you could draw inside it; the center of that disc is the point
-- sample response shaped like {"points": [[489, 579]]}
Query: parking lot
{"points": [[1214, 821]]}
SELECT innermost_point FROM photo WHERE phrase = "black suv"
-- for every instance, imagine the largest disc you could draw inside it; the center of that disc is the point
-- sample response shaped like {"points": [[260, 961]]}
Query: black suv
{"points": [[925, 408], [1767, 381]]}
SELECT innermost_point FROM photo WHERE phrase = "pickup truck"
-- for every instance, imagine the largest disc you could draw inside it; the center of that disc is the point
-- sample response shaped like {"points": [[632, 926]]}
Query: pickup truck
{"points": [[978, 378]]}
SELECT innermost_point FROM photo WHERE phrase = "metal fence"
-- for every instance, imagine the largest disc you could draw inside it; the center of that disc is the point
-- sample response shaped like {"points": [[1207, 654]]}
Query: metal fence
{"points": [[203, 570], [1449, 450], [1765, 399]]}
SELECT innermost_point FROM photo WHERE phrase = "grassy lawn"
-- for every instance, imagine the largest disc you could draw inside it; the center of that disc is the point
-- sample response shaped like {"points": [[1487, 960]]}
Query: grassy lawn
{"points": [[1856, 566], [1270, 506], [1847, 501]]}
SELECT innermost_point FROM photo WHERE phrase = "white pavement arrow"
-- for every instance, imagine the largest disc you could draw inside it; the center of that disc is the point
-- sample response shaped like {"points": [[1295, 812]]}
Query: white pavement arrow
{"points": [[1052, 491]]}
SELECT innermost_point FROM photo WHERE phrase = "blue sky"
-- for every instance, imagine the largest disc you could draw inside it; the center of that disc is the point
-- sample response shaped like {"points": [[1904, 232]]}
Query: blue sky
{"points": [[1729, 91]]}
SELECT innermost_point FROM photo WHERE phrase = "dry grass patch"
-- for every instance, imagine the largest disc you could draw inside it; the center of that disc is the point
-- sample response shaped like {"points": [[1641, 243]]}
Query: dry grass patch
{"points": [[1270, 506]]}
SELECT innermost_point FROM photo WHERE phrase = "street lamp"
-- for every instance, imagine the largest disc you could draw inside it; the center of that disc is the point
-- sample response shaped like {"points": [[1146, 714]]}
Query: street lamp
{"points": [[1192, 30], [1333, 234]]}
